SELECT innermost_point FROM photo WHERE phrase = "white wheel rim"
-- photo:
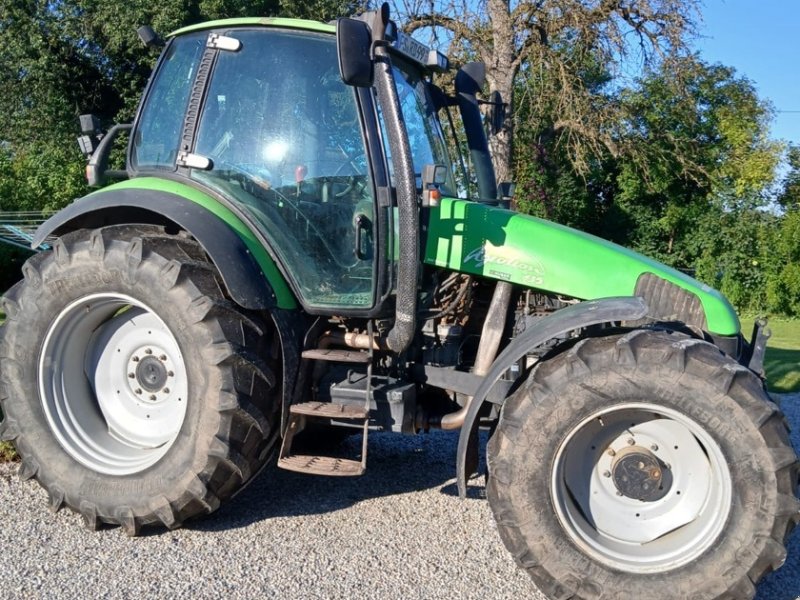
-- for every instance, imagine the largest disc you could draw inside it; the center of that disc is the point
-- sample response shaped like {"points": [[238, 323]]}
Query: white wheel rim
{"points": [[112, 383], [674, 524]]}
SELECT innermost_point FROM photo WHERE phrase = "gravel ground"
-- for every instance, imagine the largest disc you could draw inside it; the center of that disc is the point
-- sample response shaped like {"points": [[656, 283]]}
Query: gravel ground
{"points": [[398, 532]]}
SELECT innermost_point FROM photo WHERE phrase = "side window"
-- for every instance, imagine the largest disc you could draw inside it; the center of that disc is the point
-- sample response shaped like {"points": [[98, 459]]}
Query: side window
{"points": [[425, 135], [158, 136]]}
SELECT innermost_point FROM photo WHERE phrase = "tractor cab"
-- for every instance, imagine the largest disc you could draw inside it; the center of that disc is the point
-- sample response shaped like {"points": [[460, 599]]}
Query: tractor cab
{"points": [[256, 113]]}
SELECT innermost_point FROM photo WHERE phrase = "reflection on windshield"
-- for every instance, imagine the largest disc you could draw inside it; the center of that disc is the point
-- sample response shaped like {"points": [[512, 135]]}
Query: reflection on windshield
{"points": [[283, 133]]}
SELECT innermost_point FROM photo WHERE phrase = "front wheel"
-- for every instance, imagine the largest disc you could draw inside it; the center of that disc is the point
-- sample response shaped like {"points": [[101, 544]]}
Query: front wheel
{"points": [[135, 392], [644, 465]]}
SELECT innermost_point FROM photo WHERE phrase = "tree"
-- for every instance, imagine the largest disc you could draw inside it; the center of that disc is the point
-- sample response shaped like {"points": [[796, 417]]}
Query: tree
{"points": [[693, 144], [697, 143], [783, 286], [789, 195], [547, 43]]}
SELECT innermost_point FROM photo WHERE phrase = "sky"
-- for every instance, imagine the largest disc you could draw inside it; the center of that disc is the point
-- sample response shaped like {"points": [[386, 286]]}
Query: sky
{"points": [[761, 40]]}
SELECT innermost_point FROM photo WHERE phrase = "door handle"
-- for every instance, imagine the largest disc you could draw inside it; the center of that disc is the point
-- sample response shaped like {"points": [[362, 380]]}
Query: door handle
{"points": [[363, 225]]}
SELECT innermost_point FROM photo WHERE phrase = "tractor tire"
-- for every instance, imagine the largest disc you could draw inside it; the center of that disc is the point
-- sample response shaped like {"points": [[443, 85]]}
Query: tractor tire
{"points": [[643, 465], [135, 392]]}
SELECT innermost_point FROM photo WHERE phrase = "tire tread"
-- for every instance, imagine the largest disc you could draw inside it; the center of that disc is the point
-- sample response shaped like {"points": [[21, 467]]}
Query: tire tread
{"points": [[244, 441], [682, 356]]}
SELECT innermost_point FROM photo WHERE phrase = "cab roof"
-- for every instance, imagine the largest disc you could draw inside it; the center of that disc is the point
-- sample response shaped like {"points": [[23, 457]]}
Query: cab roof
{"points": [[305, 24]]}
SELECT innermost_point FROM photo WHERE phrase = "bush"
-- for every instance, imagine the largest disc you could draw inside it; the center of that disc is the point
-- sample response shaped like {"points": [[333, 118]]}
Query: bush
{"points": [[783, 291], [7, 452]]}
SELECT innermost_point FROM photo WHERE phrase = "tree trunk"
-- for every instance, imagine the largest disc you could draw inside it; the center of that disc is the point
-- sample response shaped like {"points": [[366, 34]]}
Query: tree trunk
{"points": [[502, 67]]}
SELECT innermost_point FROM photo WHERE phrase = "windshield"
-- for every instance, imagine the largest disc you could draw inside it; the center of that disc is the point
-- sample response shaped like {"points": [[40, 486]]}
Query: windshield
{"points": [[283, 134], [425, 133]]}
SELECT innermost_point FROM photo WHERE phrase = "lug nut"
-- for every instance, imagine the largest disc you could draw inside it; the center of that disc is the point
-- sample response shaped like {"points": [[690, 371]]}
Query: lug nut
{"points": [[153, 397], [135, 359], [606, 473], [170, 374], [611, 452], [165, 390], [654, 447], [137, 391], [148, 351], [162, 358], [131, 375], [631, 442]]}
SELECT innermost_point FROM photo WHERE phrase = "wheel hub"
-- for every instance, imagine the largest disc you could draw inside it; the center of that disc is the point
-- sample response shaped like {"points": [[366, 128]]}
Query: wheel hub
{"points": [[150, 370], [637, 474], [151, 374]]}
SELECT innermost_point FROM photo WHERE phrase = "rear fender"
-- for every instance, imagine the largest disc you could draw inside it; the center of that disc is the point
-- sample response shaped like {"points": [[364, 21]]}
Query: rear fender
{"points": [[245, 278]]}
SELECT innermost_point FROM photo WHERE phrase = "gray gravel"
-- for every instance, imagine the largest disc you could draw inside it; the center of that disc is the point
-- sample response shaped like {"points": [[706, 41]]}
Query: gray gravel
{"points": [[398, 532]]}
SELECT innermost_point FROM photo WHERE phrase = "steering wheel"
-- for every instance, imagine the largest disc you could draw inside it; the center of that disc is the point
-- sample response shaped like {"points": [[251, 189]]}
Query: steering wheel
{"points": [[350, 163]]}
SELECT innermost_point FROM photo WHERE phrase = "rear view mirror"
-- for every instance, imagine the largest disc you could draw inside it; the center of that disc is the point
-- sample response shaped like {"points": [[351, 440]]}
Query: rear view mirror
{"points": [[354, 44]]}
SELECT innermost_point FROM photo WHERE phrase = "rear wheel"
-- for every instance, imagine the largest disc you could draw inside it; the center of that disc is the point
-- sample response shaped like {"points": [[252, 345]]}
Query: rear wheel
{"points": [[134, 390], [644, 465]]}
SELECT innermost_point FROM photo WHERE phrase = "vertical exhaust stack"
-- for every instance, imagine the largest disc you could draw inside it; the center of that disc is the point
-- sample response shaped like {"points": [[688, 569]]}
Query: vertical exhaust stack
{"points": [[469, 81]]}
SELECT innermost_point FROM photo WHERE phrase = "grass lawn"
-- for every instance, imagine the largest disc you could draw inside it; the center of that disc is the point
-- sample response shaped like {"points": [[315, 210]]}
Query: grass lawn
{"points": [[782, 361]]}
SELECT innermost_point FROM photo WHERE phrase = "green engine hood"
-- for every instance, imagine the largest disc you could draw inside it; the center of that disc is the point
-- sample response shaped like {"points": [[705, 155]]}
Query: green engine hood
{"points": [[500, 244]]}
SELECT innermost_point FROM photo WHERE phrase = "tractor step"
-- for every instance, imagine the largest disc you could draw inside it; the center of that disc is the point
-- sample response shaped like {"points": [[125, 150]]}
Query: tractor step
{"points": [[329, 410], [299, 414], [336, 355], [322, 465]]}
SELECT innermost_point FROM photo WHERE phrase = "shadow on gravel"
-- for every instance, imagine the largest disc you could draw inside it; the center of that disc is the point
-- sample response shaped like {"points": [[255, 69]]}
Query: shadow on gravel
{"points": [[395, 465]]}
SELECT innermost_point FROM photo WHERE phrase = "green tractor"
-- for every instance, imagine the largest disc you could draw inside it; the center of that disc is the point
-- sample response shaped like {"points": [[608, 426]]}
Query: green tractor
{"points": [[286, 253]]}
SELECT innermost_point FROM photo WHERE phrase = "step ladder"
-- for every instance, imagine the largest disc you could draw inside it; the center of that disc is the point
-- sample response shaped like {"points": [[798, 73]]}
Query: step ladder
{"points": [[301, 413]]}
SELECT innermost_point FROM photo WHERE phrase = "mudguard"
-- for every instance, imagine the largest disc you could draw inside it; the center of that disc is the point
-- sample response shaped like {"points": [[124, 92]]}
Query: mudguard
{"points": [[580, 315], [244, 278]]}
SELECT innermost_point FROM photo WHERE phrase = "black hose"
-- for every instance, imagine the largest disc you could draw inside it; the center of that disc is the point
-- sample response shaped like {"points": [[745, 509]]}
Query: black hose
{"points": [[402, 333]]}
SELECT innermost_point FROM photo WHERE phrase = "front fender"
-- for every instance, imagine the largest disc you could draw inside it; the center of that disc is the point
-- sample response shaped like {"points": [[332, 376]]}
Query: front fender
{"points": [[248, 272], [577, 316]]}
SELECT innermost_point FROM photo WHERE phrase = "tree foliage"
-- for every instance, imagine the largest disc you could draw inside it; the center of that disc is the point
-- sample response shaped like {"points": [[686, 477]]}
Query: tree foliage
{"points": [[548, 44]]}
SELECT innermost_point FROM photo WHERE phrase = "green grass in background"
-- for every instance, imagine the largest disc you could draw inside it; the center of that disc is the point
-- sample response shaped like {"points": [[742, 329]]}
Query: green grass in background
{"points": [[782, 361]]}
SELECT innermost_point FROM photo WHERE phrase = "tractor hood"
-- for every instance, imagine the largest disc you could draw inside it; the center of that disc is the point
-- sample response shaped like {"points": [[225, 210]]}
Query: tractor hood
{"points": [[501, 244]]}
